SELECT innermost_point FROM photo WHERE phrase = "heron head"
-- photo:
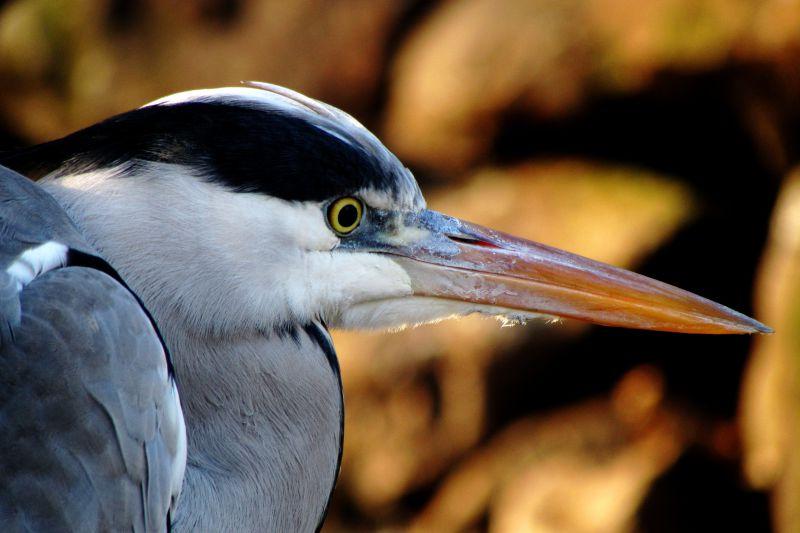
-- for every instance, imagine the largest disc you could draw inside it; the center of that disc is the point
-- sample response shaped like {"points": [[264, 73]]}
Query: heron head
{"points": [[269, 207]]}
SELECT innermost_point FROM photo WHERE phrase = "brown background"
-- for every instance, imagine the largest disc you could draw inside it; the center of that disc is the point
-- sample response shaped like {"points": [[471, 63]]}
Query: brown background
{"points": [[659, 135]]}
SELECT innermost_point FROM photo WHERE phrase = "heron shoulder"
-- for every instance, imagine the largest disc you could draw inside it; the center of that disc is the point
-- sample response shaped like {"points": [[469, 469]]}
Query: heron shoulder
{"points": [[88, 388]]}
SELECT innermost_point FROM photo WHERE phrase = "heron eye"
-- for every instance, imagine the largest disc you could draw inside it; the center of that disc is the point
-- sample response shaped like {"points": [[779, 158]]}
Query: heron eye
{"points": [[344, 215]]}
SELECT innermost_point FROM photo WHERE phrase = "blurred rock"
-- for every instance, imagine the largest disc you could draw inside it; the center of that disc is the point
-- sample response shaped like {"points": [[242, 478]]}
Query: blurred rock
{"points": [[607, 212], [416, 400], [580, 469], [66, 64], [472, 62], [770, 409]]}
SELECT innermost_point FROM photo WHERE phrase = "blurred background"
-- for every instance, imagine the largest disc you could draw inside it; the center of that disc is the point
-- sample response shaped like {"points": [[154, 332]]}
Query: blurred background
{"points": [[657, 135]]}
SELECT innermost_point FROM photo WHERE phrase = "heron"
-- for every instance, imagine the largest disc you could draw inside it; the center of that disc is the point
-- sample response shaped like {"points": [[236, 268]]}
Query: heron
{"points": [[169, 279]]}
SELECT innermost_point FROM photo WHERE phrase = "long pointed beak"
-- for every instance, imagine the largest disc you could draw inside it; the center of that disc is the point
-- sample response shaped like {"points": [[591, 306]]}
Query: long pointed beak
{"points": [[457, 260]]}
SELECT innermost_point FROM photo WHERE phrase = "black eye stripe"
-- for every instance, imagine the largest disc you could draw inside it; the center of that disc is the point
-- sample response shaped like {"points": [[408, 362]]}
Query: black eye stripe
{"points": [[245, 148], [347, 216]]}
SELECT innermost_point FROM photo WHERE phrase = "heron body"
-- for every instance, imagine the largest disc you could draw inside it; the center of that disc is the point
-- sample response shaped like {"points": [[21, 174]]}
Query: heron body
{"points": [[245, 220]]}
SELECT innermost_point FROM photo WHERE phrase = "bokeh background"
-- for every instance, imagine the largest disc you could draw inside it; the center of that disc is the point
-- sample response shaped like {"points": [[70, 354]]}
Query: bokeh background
{"points": [[659, 135]]}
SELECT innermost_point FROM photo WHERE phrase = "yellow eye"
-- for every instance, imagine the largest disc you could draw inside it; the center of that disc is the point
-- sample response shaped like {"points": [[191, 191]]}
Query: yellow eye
{"points": [[344, 215]]}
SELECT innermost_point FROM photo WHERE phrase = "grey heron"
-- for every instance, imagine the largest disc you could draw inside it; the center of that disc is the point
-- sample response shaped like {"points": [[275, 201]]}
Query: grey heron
{"points": [[237, 225]]}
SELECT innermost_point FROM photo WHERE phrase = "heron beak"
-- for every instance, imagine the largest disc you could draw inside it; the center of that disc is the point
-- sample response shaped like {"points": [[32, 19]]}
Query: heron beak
{"points": [[453, 259]]}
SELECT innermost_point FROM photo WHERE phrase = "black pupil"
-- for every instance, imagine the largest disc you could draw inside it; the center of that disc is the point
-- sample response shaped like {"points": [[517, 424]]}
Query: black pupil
{"points": [[348, 216]]}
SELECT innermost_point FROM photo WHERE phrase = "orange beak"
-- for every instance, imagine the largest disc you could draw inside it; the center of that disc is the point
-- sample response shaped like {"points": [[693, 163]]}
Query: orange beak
{"points": [[457, 260]]}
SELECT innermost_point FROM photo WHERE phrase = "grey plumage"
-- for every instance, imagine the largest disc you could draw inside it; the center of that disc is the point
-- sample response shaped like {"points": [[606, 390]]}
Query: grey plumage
{"points": [[264, 415], [90, 438], [28, 217]]}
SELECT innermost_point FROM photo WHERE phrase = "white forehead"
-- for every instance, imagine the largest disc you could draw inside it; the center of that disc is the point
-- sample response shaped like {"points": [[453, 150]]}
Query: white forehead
{"points": [[403, 198], [265, 96]]}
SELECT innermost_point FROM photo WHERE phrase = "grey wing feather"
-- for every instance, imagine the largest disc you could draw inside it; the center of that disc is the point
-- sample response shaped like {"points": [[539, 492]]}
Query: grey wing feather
{"points": [[30, 216], [9, 307], [91, 431]]}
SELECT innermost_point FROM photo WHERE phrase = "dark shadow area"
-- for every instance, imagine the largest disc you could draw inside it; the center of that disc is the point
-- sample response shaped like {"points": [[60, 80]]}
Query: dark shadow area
{"points": [[8, 138], [700, 493]]}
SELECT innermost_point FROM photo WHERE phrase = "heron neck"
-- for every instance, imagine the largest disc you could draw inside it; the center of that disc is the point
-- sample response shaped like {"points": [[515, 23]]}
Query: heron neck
{"points": [[264, 423], [263, 407]]}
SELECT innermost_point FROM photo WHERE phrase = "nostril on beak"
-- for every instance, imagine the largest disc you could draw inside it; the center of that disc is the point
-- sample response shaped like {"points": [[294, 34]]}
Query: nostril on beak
{"points": [[471, 241]]}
